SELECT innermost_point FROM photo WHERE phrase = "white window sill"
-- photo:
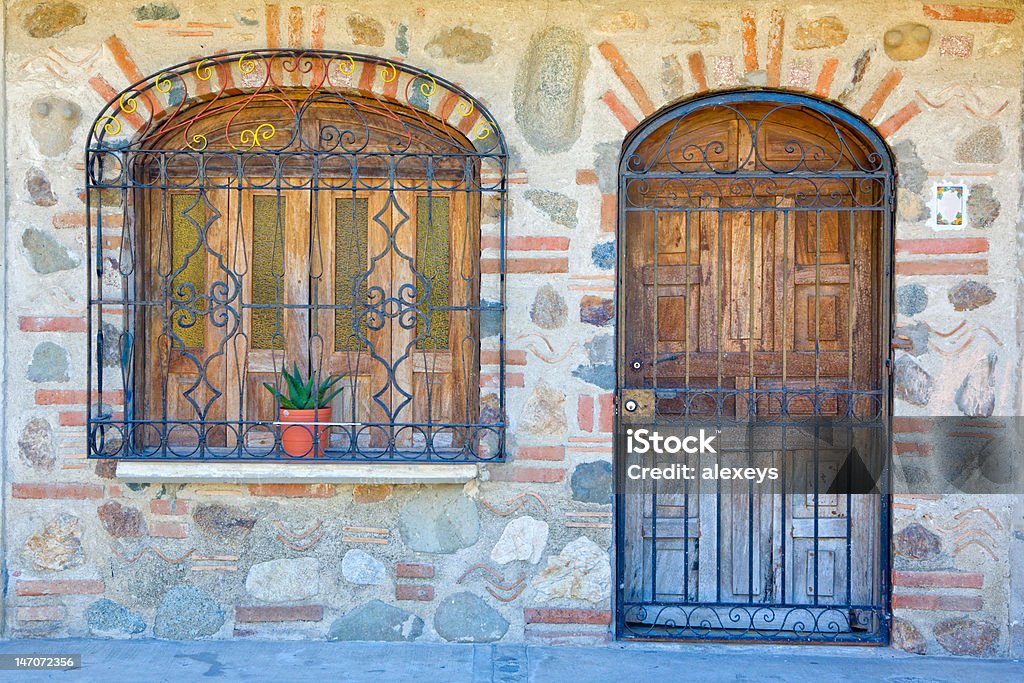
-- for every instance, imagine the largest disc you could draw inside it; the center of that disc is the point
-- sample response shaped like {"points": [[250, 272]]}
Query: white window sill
{"points": [[134, 471]]}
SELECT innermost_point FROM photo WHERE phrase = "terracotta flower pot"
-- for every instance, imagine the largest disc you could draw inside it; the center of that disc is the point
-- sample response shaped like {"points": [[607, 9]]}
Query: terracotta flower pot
{"points": [[298, 441]]}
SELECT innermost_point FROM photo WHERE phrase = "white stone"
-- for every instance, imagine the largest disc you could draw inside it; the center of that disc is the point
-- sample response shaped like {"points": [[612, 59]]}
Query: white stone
{"points": [[359, 566], [524, 538], [284, 580], [582, 571]]}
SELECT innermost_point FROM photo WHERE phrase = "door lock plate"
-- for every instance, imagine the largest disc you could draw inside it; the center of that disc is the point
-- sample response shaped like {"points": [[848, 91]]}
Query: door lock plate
{"points": [[636, 405]]}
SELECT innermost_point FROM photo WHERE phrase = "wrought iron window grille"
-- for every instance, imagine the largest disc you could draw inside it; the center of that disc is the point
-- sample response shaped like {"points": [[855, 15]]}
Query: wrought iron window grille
{"points": [[336, 213]]}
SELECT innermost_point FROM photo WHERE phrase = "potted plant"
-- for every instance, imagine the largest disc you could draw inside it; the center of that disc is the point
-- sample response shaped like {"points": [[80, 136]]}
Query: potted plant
{"points": [[307, 404]]}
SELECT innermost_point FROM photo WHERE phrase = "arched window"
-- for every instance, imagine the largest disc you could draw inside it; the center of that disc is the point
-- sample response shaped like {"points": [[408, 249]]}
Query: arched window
{"points": [[290, 220]]}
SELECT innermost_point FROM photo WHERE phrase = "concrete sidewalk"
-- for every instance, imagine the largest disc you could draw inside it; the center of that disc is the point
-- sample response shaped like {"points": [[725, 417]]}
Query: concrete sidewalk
{"points": [[284, 661]]}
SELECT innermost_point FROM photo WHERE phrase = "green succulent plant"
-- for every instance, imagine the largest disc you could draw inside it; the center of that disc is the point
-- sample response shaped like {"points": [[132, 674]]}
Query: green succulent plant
{"points": [[304, 394]]}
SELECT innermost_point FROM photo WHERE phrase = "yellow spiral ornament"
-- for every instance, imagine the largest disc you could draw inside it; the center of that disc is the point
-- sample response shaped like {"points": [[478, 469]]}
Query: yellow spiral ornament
{"points": [[163, 83], [246, 66], [428, 89], [112, 125], [204, 73], [351, 66], [465, 108], [388, 73], [129, 105], [254, 136], [198, 142], [482, 130]]}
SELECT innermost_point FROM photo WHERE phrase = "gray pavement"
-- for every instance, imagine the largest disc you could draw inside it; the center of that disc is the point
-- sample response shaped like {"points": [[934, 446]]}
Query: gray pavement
{"points": [[281, 661]]}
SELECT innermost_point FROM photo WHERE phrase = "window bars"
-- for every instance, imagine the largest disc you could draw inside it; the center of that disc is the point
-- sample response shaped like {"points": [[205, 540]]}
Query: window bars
{"points": [[754, 280], [336, 215]]}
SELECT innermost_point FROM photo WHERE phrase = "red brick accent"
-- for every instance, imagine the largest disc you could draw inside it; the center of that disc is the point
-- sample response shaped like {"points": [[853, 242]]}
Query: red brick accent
{"points": [[626, 76], [59, 587], [405, 591], [527, 243], [910, 425], [70, 219], [982, 15], [165, 506], [370, 493], [952, 603], [586, 177], [51, 324], [563, 615], [698, 70], [585, 413], [74, 418], [911, 448], [107, 93], [41, 613], [511, 357], [606, 421], [554, 453], [131, 71], [943, 267], [512, 379], [749, 41], [413, 570], [938, 579], [943, 245], [168, 530], [57, 491], [292, 490], [775, 31], [259, 615], [892, 124], [825, 77], [881, 94], [273, 23], [533, 475], [526, 265], [617, 108], [52, 397], [608, 210], [317, 27]]}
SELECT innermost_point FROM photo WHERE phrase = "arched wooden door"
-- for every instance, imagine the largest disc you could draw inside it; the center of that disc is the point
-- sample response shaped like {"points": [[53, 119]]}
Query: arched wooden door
{"points": [[753, 290]]}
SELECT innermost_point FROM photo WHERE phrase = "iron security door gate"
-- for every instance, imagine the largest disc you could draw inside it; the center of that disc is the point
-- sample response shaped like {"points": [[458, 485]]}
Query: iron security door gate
{"points": [[753, 290]]}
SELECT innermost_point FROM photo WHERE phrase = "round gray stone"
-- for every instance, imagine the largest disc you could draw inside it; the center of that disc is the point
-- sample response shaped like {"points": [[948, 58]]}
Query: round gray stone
{"points": [[52, 120], [549, 310], [35, 444], [462, 45], [549, 88], [284, 580], [156, 11], [911, 299], [601, 375], [466, 618], [186, 613], [982, 206], [39, 190], [360, 567], [913, 174], [984, 146], [559, 208], [911, 382], [603, 255], [376, 621], [45, 254], [106, 617], [49, 363], [440, 519], [591, 482]]}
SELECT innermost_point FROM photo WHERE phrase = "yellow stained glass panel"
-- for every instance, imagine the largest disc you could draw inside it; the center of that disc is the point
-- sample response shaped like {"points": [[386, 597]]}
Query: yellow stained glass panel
{"points": [[351, 219], [432, 263], [267, 327], [190, 282]]}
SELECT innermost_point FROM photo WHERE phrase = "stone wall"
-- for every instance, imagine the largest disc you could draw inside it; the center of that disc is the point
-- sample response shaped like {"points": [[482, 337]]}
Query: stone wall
{"points": [[523, 552]]}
